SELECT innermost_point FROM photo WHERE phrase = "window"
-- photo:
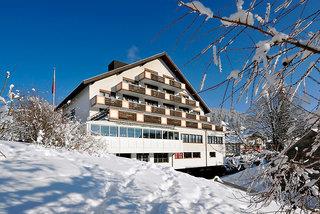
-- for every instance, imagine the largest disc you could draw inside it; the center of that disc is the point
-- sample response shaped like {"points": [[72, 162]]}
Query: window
{"points": [[158, 134], [151, 86], [196, 155], [152, 134], [164, 135], [123, 132], [113, 131], [151, 102], [138, 133], [124, 155], [215, 140], [95, 129], [212, 154], [187, 155], [184, 138], [178, 155], [146, 133], [143, 157], [131, 98], [170, 135], [161, 158], [184, 109], [168, 91], [191, 138], [105, 130], [199, 138], [169, 106], [130, 132], [176, 135]]}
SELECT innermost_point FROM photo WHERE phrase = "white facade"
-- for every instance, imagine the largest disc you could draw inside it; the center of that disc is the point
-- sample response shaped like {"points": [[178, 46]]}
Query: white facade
{"points": [[174, 130]]}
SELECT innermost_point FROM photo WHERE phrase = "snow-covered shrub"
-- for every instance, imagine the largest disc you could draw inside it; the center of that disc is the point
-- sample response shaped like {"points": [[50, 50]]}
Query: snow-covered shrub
{"points": [[36, 121]]}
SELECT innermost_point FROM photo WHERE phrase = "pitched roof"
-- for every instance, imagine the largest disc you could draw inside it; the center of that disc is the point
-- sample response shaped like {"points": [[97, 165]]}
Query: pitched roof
{"points": [[166, 59]]}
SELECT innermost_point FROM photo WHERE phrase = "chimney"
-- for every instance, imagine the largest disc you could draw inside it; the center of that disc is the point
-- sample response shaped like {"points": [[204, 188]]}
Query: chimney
{"points": [[115, 64]]}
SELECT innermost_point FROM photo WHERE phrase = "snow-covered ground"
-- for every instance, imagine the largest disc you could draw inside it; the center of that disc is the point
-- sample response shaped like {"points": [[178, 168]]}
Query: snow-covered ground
{"points": [[34, 179]]}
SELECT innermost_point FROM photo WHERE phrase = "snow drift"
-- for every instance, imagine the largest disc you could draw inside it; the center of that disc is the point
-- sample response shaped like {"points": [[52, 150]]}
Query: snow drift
{"points": [[42, 180]]}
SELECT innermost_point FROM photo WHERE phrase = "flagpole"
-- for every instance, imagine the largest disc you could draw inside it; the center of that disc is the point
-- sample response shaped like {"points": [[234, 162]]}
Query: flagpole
{"points": [[54, 86]]}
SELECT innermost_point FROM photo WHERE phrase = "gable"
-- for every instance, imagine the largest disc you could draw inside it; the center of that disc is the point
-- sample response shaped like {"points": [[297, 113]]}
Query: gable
{"points": [[161, 63]]}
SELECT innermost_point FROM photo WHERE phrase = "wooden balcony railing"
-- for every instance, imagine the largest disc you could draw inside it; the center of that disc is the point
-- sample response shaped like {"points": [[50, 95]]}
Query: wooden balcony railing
{"points": [[206, 126], [191, 124], [137, 106], [137, 89], [203, 118], [175, 113], [219, 128], [158, 110], [173, 122], [158, 94], [191, 116], [113, 102], [175, 83], [191, 102], [152, 119], [175, 98], [127, 116], [157, 78]]}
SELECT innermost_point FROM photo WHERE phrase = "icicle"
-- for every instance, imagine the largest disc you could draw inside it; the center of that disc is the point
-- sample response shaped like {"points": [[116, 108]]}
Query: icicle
{"points": [[215, 58], [203, 81], [284, 5], [267, 16], [220, 65]]}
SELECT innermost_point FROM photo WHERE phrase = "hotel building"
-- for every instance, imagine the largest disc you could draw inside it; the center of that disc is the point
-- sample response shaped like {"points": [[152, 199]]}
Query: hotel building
{"points": [[149, 111]]}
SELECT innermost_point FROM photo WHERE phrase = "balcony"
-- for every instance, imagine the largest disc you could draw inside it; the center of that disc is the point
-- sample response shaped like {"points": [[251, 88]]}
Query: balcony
{"points": [[191, 124], [219, 128], [123, 115], [130, 87], [206, 126], [152, 119], [175, 84], [157, 78], [158, 110], [191, 116], [173, 122], [175, 99], [113, 102], [157, 94], [203, 118], [137, 106], [150, 76], [175, 113], [191, 103]]}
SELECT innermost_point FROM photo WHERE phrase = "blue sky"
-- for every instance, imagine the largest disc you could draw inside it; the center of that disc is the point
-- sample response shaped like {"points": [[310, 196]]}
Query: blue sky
{"points": [[81, 37]]}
